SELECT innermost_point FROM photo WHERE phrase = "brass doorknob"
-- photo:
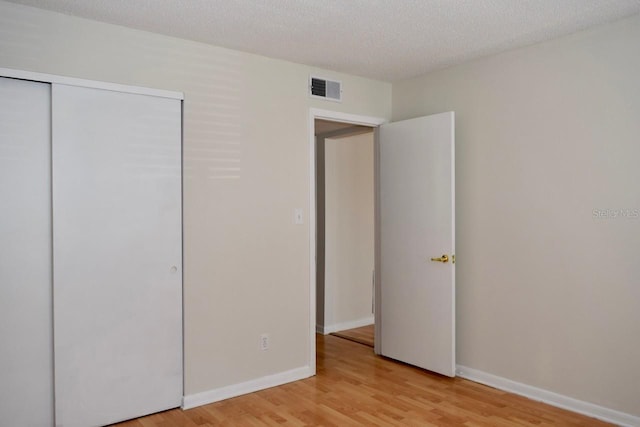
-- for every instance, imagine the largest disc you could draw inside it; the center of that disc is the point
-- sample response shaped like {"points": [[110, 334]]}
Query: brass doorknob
{"points": [[443, 258]]}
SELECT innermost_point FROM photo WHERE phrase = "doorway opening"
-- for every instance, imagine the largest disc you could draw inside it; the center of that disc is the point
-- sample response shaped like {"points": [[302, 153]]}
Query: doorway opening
{"points": [[343, 225], [345, 230]]}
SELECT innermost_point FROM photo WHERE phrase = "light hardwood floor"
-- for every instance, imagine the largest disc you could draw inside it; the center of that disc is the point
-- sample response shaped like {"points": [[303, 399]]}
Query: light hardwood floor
{"points": [[363, 335], [354, 387]]}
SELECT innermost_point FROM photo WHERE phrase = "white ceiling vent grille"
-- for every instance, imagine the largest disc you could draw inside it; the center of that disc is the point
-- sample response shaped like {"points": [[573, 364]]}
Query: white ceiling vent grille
{"points": [[330, 90]]}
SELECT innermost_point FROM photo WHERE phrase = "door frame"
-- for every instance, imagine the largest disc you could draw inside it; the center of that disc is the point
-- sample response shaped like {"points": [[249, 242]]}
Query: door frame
{"points": [[354, 119]]}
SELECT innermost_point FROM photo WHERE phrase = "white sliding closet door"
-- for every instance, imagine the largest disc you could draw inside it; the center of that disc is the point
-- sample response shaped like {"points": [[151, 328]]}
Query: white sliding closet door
{"points": [[26, 360], [117, 242]]}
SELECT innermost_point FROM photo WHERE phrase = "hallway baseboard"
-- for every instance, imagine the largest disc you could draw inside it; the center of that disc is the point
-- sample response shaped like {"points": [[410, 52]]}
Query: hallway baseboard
{"points": [[326, 330]]}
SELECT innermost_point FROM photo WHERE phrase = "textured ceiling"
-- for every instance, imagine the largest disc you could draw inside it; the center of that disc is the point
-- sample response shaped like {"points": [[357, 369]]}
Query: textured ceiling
{"points": [[382, 39], [327, 126]]}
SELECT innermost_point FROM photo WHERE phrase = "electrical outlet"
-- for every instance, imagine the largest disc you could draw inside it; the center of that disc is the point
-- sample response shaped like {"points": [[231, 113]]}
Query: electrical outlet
{"points": [[264, 342]]}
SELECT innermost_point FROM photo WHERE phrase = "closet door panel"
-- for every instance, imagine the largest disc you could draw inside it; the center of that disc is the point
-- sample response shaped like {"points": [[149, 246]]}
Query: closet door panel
{"points": [[117, 245], [26, 358]]}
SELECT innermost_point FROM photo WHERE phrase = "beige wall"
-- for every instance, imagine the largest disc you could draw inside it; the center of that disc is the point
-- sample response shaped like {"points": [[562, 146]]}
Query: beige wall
{"points": [[349, 250], [246, 158], [548, 294]]}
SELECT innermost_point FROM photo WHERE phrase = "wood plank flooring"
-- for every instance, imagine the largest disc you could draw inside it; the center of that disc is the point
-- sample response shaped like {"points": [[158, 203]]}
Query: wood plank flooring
{"points": [[354, 387], [363, 335]]}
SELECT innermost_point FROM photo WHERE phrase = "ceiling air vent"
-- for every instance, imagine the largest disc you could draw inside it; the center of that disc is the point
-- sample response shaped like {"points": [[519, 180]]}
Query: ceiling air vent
{"points": [[325, 89]]}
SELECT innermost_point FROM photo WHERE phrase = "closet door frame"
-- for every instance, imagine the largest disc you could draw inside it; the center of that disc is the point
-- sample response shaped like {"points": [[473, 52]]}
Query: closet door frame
{"points": [[72, 81]]}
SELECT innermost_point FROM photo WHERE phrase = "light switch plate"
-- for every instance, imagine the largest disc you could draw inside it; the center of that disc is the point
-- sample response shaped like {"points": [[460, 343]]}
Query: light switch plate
{"points": [[297, 216]]}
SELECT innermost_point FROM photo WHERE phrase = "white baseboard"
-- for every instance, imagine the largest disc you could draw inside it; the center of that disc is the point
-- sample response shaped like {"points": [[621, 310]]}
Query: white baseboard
{"points": [[320, 329], [215, 395], [365, 321], [549, 397]]}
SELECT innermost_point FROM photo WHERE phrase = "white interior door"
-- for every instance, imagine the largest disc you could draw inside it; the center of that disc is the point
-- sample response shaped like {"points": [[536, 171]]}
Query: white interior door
{"points": [[416, 205], [26, 333], [117, 246]]}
